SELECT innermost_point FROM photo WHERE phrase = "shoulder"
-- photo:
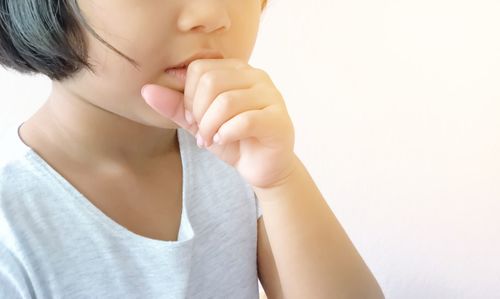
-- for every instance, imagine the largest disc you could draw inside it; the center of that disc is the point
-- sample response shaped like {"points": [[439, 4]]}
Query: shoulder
{"points": [[13, 152], [16, 168], [20, 182]]}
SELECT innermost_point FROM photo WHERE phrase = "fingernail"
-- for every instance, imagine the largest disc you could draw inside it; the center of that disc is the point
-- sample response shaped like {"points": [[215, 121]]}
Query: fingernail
{"points": [[189, 117], [142, 91], [194, 129], [199, 140]]}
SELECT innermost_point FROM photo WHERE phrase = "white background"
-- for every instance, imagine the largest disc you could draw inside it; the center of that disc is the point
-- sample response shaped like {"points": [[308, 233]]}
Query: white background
{"points": [[396, 108]]}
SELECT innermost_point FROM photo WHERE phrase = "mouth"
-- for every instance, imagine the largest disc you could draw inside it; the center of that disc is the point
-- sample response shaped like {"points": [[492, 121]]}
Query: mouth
{"points": [[179, 71], [179, 74], [204, 54]]}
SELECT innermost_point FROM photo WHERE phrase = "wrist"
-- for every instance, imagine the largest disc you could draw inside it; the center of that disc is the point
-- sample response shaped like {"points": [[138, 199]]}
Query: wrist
{"points": [[285, 178]]}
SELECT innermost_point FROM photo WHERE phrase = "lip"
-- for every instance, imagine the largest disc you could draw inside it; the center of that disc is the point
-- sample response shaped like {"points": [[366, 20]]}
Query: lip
{"points": [[204, 54], [179, 74]]}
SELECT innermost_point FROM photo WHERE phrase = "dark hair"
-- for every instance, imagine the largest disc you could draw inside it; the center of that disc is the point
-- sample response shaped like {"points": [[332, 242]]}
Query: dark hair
{"points": [[45, 36]]}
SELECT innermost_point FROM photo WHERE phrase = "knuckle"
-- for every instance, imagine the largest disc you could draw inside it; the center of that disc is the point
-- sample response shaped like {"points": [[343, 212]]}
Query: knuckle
{"points": [[262, 74], [225, 102], [246, 122], [208, 80], [195, 66], [240, 64]]}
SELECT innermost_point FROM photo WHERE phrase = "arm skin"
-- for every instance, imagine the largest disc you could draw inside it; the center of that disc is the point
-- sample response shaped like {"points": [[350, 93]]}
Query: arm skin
{"points": [[303, 250]]}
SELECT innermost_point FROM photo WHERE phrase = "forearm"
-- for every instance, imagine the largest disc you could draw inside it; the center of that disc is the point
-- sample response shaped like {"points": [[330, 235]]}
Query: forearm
{"points": [[313, 254]]}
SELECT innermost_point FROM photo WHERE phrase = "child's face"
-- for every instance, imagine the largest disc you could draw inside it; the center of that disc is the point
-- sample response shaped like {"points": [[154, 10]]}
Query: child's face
{"points": [[156, 34]]}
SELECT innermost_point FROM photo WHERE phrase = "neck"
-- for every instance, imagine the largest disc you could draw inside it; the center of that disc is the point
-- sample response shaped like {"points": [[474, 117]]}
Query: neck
{"points": [[88, 133]]}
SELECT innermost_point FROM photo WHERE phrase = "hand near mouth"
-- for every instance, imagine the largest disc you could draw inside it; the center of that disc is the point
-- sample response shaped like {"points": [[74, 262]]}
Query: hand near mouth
{"points": [[237, 113]]}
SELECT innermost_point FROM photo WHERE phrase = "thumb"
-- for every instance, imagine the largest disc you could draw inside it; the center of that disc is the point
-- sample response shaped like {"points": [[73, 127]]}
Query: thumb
{"points": [[167, 102]]}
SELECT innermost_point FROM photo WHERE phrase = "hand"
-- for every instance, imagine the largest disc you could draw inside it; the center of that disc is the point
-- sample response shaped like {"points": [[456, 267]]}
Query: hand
{"points": [[239, 104]]}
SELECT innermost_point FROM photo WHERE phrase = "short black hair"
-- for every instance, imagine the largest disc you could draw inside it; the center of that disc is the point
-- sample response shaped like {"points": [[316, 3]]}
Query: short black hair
{"points": [[45, 36]]}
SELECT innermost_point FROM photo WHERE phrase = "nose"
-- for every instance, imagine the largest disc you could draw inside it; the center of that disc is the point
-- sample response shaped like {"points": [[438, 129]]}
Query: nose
{"points": [[204, 16]]}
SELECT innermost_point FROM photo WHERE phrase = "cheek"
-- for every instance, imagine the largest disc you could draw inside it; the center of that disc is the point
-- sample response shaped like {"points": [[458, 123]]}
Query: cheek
{"points": [[137, 33], [240, 43], [240, 40], [114, 75]]}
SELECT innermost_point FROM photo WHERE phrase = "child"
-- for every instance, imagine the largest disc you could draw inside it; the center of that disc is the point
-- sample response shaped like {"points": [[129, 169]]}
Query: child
{"points": [[144, 173]]}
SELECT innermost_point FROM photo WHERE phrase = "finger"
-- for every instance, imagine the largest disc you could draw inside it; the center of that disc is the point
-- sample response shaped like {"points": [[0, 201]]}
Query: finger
{"points": [[198, 67], [227, 105], [214, 82], [252, 123], [167, 102]]}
